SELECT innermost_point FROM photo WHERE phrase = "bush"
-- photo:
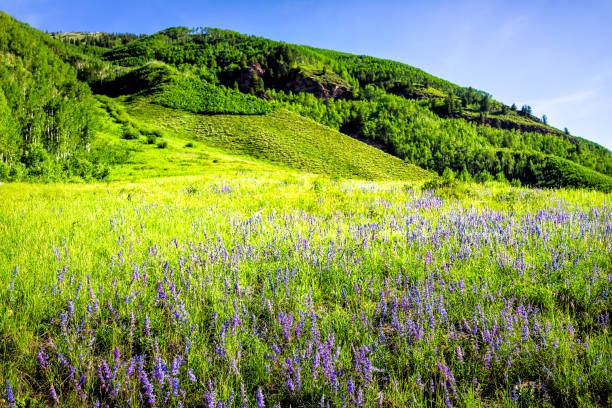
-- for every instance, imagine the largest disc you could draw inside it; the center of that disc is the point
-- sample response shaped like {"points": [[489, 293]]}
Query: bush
{"points": [[516, 183], [439, 183], [483, 177], [130, 132], [162, 144], [448, 174], [151, 139], [5, 170], [18, 172], [37, 162], [446, 187], [101, 172]]}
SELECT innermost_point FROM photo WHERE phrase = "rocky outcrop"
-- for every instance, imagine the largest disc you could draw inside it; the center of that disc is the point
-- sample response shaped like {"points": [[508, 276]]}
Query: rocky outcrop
{"points": [[298, 82], [246, 76], [251, 77]]}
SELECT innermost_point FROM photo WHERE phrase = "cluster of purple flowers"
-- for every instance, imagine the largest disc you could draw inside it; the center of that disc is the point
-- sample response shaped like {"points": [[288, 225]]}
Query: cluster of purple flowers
{"points": [[410, 300]]}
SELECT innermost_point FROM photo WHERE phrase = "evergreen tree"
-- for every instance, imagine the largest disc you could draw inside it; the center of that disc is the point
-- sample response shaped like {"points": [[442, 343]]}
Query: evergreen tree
{"points": [[526, 110], [485, 104], [449, 104]]}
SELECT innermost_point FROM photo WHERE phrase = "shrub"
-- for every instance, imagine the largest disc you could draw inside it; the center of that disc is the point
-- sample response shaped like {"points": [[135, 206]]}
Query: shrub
{"points": [[5, 170], [516, 183], [162, 144], [18, 172], [130, 132]]}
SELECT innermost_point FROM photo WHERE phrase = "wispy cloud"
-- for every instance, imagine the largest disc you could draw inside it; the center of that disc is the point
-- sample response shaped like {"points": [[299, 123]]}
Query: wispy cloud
{"points": [[573, 98]]}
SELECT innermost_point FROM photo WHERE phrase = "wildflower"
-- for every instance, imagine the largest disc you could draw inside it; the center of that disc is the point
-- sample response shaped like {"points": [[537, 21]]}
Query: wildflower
{"points": [[260, 398], [459, 354], [9, 394], [53, 394], [380, 399], [359, 401], [245, 403], [42, 358], [351, 387]]}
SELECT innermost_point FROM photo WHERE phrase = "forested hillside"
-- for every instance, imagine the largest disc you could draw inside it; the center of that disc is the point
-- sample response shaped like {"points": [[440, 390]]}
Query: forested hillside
{"points": [[46, 113], [424, 120]]}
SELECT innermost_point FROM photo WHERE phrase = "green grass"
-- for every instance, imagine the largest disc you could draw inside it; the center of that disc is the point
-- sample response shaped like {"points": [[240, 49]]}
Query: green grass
{"points": [[283, 138], [364, 260], [219, 144], [137, 159]]}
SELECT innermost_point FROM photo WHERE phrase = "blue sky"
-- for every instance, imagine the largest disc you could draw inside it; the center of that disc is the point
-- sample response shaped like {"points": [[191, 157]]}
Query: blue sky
{"points": [[553, 55]]}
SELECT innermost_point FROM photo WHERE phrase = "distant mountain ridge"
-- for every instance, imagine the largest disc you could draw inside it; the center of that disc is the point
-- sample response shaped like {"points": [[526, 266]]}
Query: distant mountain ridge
{"points": [[424, 120]]}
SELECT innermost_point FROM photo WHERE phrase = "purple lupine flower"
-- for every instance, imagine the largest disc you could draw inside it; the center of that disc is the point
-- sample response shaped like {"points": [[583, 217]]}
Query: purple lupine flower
{"points": [[420, 384], [12, 282], [53, 394], [359, 400], [42, 358], [380, 399], [9, 394], [117, 356], [211, 395], [245, 402], [146, 384], [459, 354], [260, 398], [192, 377], [132, 327], [176, 388]]}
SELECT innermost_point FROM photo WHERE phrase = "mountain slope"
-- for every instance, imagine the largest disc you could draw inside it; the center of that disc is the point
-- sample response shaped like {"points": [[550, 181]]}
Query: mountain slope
{"points": [[421, 119], [72, 136], [430, 122], [282, 138]]}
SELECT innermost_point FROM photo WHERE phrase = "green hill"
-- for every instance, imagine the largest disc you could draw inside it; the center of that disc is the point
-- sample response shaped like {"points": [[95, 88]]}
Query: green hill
{"points": [[281, 137], [421, 119]]}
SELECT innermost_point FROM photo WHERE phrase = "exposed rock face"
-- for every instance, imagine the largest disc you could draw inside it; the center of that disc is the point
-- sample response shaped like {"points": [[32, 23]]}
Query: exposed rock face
{"points": [[297, 82], [245, 78]]}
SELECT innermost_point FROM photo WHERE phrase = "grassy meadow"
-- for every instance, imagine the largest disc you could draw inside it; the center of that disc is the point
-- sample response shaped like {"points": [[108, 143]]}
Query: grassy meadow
{"points": [[265, 287]]}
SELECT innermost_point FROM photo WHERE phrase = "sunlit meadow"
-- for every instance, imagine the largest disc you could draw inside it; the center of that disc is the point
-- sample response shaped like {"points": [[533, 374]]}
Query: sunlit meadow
{"points": [[291, 290]]}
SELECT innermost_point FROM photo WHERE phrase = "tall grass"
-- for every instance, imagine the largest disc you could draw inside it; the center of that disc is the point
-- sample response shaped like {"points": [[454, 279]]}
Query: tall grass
{"points": [[301, 291]]}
